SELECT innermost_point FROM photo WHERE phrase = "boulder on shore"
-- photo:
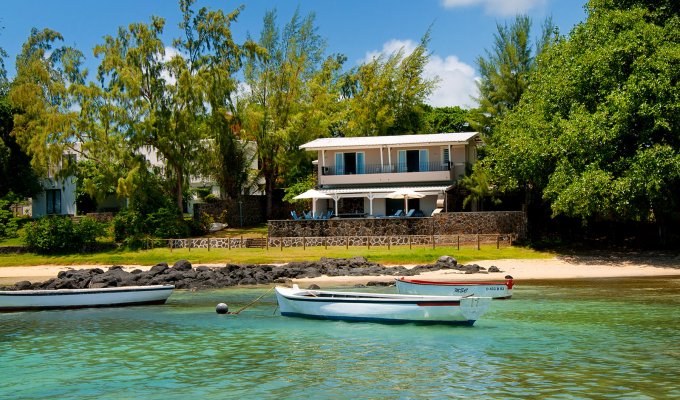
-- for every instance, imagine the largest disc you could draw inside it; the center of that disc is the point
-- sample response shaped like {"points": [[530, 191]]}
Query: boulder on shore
{"points": [[184, 276]]}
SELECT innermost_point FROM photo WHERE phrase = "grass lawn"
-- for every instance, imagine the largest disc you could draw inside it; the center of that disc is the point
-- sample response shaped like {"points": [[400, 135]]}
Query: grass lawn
{"points": [[395, 255]]}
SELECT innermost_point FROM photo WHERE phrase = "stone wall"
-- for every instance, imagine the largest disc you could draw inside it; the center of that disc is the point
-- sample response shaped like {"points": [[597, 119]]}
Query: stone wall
{"points": [[500, 222], [227, 211]]}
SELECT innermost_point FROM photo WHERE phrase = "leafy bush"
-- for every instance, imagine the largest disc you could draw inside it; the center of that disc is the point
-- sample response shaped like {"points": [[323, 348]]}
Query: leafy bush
{"points": [[8, 223], [56, 234], [88, 230], [127, 224], [131, 227], [166, 223]]}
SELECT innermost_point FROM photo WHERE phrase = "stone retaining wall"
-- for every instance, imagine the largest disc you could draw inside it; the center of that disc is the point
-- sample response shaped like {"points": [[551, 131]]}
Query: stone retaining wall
{"points": [[250, 212], [460, 223]]}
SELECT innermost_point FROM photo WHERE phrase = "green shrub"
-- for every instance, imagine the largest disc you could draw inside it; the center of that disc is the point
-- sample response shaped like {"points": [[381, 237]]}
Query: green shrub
{"points": [[166, 224], [127, 224], [56, 234], [9, 224], [87, 230]]}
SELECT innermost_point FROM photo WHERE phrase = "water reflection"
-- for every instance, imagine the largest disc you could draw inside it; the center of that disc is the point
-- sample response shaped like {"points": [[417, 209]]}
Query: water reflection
{"points": [[574, 339]]}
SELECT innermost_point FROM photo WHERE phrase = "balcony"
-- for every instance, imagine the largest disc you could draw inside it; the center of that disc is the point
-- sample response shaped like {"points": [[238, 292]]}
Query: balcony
{"points": [[387, 169], [385, 173]]}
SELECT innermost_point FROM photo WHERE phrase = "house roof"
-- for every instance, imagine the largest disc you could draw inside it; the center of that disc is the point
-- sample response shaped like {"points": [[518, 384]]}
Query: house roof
{"points": [[396, 141], [381, 192]]}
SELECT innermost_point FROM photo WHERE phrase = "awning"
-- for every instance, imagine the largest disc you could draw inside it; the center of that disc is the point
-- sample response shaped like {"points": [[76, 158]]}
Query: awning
{"points": [[383, 192]]}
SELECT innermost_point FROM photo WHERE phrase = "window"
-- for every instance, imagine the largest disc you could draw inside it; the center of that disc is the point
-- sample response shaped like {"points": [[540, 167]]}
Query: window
{"points": [[53, 201], [412, 160], [446, 158], [349, 163]]}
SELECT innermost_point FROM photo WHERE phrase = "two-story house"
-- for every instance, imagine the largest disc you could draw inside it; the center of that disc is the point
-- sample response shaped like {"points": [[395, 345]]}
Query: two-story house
{"points": [[58, 196], [360, 173], [59, 192]]}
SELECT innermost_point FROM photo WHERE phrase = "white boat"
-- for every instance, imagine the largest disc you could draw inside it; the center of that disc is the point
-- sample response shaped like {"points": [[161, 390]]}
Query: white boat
{"points": [[496, 290], [20, 300], [392, 308]]}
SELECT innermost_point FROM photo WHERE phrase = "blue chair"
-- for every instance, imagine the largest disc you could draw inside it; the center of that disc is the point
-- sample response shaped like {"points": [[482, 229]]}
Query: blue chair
{"points": [[399, 213], [308, 215], [410, 212], [329, 214], [294, 215]]}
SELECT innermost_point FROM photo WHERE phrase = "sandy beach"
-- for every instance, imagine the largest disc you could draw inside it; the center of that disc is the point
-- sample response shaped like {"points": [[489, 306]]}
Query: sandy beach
{"points": [[562, 267]]}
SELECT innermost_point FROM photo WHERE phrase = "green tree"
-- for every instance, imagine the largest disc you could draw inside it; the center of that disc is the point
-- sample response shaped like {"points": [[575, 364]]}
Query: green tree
{"points": [[596, 133], [155, 98], [505, 71], [446, 119], [216, 58], [386, 94], [42, 91], [292, 95]]}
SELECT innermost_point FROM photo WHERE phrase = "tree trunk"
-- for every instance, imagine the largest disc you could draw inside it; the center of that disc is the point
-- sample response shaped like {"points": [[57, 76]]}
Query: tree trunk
{"points": [[178, 174]]}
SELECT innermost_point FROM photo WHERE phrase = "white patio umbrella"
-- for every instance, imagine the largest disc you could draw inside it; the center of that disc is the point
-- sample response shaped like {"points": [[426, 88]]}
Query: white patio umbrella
{"points": [[405, 194], [312, 194]]}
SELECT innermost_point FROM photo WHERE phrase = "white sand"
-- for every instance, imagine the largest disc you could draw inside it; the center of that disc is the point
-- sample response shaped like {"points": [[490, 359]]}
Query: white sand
{"points": [[553, 268]]}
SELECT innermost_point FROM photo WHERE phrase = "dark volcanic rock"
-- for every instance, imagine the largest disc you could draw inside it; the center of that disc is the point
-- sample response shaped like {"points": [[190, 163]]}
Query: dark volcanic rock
{"points": [[183, 276], [23, 285], [182, 265]]}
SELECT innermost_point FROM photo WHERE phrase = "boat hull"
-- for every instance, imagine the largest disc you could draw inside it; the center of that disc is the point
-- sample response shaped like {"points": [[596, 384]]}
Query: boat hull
{"points": [[82, 298], [373, 307], [495, 290]]}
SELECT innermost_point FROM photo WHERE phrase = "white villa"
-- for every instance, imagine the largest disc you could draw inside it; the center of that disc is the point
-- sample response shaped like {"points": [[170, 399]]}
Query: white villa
{"points": [[59, 194], [360, 173]]}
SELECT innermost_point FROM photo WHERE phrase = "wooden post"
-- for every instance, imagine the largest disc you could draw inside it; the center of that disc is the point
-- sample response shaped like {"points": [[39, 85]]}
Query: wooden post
{"points": [[267, 242], [325, 243], [389, 242], [409, 242], [458, 240], [190, 241], [228, 242], [241, 244], [304, 244], [346, 242], [478, 241], [208, 244], [433, 241], [498, 241], [368, 242]]}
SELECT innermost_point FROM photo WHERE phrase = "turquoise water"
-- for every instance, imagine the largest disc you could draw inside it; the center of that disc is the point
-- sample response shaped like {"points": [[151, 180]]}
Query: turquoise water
{"points": [[569, 339]]}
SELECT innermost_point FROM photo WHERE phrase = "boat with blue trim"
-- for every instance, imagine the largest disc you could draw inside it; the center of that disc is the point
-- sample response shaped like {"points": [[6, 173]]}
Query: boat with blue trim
{"points": [[378, 307], [495, 290], [23, 300]]}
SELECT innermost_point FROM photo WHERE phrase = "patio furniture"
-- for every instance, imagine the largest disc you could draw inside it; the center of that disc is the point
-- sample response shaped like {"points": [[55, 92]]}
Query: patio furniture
{"points": [[295, 216], [399, 213], [410, 212]]}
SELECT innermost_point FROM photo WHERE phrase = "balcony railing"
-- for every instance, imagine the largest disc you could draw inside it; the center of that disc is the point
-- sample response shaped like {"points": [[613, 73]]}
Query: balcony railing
{"points": [[386, 168]]}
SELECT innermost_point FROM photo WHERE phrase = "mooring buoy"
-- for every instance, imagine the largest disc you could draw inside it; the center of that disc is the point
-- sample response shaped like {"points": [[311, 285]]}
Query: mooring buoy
{"points": [[222, 308]]}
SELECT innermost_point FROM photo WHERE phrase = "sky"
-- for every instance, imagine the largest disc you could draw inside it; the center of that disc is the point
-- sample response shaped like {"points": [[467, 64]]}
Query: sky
{"points": [[461, 30]]}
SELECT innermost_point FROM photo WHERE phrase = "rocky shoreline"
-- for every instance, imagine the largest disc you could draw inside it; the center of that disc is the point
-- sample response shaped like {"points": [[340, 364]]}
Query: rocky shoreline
{"points": [[184, 276]]}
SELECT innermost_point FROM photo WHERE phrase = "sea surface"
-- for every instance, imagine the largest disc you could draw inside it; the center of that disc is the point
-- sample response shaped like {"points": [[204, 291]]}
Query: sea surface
{"points": [[600, 339]]}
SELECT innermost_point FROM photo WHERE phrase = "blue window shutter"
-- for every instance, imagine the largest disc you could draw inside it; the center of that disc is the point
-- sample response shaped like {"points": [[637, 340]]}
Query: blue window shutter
{"points": [[401, 161], [339, 163], [360, 163], [424, 159]]}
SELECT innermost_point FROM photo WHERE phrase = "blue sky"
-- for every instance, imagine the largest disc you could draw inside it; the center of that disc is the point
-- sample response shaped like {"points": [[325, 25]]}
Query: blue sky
{"points": [[461, 29]]}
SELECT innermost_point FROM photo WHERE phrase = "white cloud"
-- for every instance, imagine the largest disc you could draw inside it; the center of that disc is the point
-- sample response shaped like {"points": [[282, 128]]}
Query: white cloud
{"points": [[169, 54], [504, 8], [456, 80]]}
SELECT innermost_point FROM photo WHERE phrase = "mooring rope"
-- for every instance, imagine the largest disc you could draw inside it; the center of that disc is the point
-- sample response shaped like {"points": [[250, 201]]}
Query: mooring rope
{"points": [[252, 302]]}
